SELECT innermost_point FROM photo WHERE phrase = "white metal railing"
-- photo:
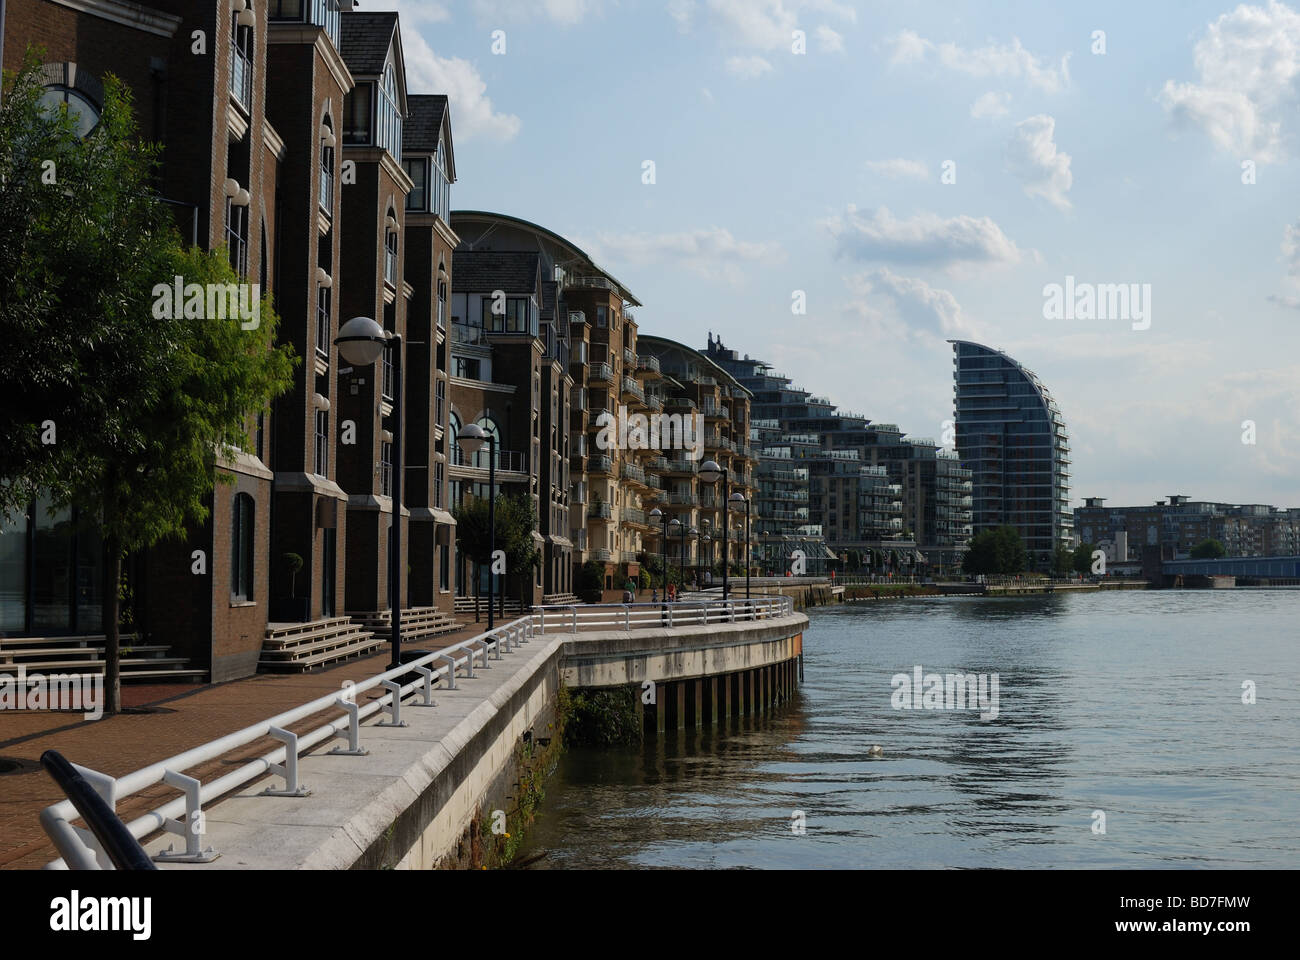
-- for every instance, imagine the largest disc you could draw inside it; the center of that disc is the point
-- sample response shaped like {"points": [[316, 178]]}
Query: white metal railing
{"points": [[183, 816], [81, 851], [574, 618]]}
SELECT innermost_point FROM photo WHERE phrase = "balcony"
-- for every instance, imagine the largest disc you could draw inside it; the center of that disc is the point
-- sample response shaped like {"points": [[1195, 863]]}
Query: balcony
{"points": [[600, 464], [683, 466], [633, 515], [648, 364], [653, 402], [629, 358], [599, 511], [600, 373], [630, 471], [629, 556], [633, 389], [717, 442], [653, 482], [713, 410], [467, 333], [602, 555], [683, 499]]}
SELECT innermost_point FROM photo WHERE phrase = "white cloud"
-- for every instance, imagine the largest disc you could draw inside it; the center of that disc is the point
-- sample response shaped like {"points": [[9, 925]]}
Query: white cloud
{"points": [[566, 12], [1291, 247], [748, 68], [429, 11], [1033, 159], [761, 24], [899, 167], [707, 251], [990, 105], [915, 307], [829, 41], [925, 239], [1248, 64], [706, 95], [1010, 61], [472, 113]]}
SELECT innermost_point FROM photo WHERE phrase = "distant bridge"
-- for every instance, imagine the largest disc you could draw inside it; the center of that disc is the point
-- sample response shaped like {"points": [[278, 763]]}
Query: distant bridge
{"points": [[1272, 568]]}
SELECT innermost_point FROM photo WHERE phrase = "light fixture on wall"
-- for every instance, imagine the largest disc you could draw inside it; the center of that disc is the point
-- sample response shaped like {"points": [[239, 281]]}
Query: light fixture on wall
{"points": [[237, 195]]}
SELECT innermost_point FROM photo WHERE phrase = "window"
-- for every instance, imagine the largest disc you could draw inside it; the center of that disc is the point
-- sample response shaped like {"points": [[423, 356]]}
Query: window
{"points": [[385, 469], [83, 112], [602, 316], [442, 303], [329, 553], [260, 436], [323, 321], [241, 61], [390, 258], [321, 462], [516, 318], [388, 132], [437, 484], [457, 452], [441, 184], [417, 168], [466, 368], [241, 548], [444, 566], [439, 401], [326, 195], [481, 457], [357, 114], [237, 236]]}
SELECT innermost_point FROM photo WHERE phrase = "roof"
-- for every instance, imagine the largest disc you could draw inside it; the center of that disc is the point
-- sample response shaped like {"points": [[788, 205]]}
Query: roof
{"points": [[651, 341], [550, 234], [420, 132], [476, 271], [364, 39], [549, 288]]}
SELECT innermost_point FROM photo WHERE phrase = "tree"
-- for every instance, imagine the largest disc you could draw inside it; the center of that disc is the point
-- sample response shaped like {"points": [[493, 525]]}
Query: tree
{"points": [[515, 522], [1062, 560], [144, 401], [1209, 549], [996, 551], [1081, 561]]}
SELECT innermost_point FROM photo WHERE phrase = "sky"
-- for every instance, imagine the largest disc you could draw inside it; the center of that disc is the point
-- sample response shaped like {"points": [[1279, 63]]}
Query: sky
{"points": [[917, 172]]}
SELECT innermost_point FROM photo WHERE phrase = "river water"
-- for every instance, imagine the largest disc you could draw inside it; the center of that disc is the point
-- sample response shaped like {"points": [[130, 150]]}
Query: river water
{"points": [[1127, 705]]}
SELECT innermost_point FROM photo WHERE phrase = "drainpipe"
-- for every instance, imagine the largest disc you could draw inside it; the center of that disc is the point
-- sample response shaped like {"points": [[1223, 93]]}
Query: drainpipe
{"points": [[2, 40]]}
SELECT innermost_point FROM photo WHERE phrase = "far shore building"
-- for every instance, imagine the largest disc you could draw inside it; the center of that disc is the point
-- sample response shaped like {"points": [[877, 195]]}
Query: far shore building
{"points": [[1179, 523], [1012, 437]]}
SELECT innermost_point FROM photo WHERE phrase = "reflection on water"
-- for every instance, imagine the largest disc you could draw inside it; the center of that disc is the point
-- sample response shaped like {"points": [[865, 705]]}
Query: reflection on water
{"points": [[1129, 703]]}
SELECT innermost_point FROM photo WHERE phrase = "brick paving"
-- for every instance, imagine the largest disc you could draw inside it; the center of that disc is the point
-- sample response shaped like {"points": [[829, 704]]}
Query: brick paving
{"points": [[181, 716]]}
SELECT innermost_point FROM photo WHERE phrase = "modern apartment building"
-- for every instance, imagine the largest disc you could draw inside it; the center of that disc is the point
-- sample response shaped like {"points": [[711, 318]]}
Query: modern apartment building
{"points": [[1178, 524], [298, 171], [596, 492], [691, 389], [1012, 437]]}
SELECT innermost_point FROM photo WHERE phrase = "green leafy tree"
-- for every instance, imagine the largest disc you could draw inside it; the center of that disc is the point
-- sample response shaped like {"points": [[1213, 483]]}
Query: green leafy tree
{"points": [[996, 551], [1081, 561], [1062, 561], [515, 522], [1209, 549], [142, 404]]}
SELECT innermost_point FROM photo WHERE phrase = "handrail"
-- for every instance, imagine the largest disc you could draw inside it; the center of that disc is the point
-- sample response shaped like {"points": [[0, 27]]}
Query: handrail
{"points": [[122, 849], [94, 849], [71, 841]]}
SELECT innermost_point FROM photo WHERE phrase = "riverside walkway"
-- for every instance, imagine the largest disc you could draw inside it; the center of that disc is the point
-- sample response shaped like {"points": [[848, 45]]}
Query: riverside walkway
{"points": [[404, 779]]}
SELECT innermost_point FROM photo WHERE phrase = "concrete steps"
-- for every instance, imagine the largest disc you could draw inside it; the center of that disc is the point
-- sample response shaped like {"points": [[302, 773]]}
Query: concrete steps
{"points": [[418, 623], [85, 654], [299, 647]]}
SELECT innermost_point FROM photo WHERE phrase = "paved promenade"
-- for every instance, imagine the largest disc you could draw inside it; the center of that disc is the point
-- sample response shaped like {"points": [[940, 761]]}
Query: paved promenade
{"points": [[179, 717]]}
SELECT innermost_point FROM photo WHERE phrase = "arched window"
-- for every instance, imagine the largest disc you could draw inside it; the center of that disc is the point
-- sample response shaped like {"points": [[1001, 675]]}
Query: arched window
{"points": [[77, 90], [390, 257], [457, 452], [490, 428], [327, 141], [241, 548]]}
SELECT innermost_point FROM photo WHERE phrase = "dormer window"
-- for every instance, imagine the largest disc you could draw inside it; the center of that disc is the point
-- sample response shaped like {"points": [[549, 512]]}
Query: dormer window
{"points": [[441, 184], [358, 114], [389, 129], [320, 13]]}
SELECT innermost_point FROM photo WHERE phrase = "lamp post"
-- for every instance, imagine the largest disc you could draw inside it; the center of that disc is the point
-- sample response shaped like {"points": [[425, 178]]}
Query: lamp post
{"points": [[709, 473], [702, 536], [674, 527], [471, 439], [661, 518], [361, 341], [738, 498]]}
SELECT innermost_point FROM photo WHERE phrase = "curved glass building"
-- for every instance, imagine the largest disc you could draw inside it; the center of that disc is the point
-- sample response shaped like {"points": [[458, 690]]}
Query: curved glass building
{"points": [[1010, 434]]}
